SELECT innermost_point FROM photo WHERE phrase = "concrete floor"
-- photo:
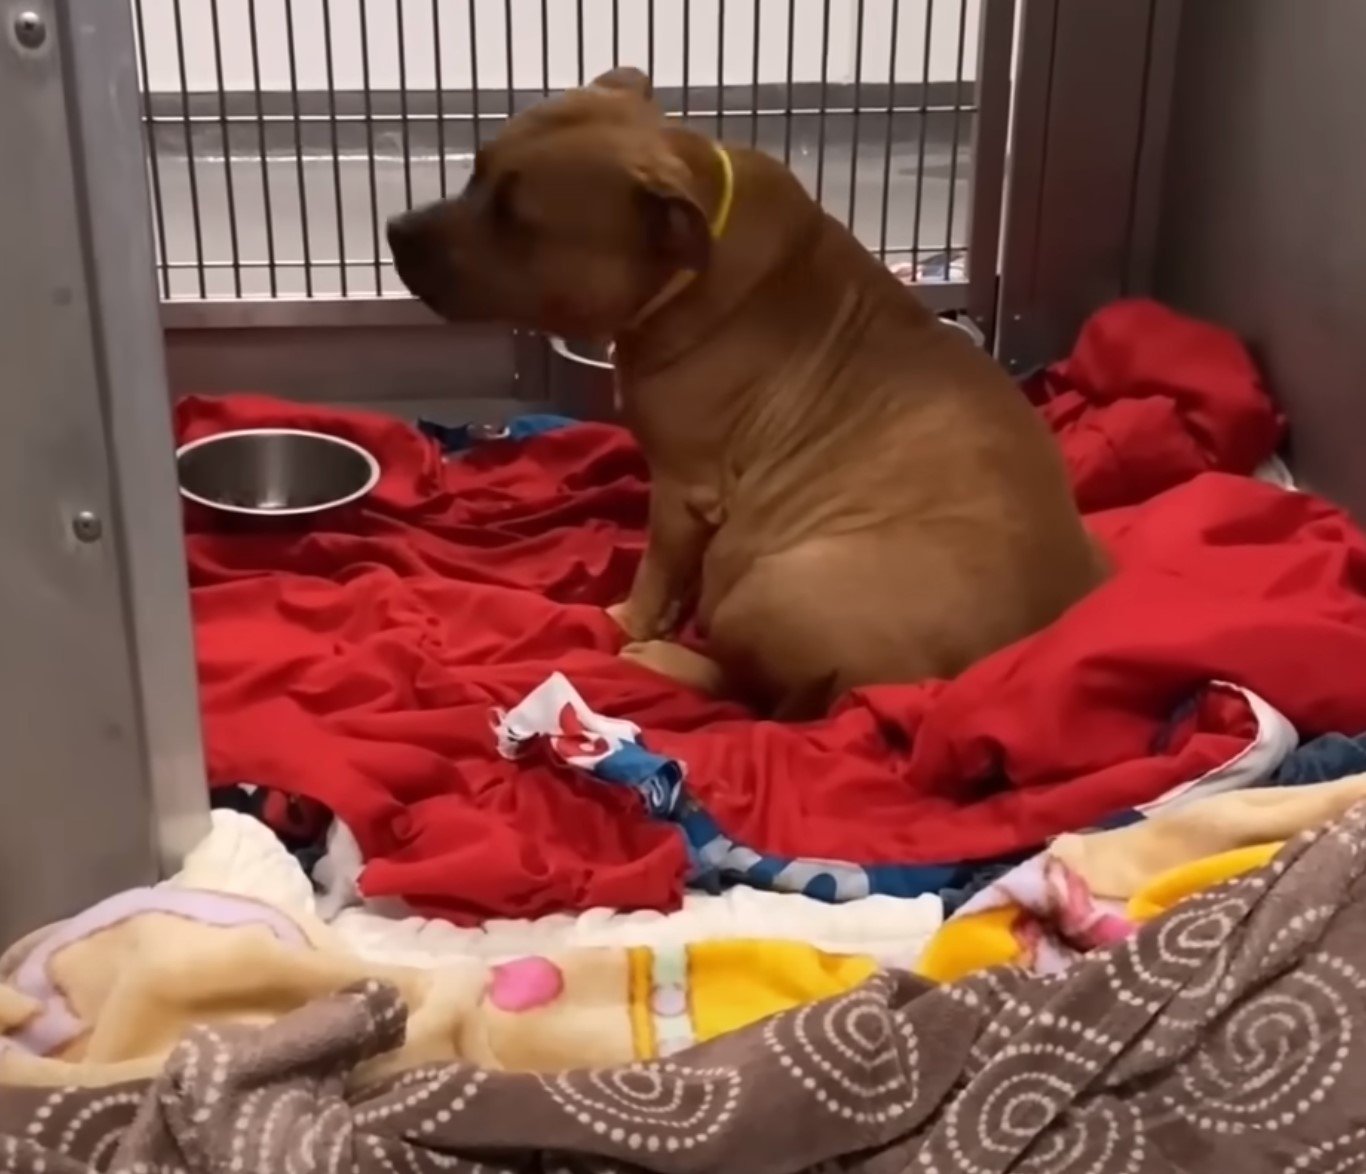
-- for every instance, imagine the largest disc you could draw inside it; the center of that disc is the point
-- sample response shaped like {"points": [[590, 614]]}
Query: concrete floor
{"points": [[322, 177]]}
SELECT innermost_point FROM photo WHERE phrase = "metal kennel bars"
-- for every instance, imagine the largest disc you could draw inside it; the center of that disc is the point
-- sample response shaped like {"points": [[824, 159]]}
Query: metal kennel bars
{"points": [[280, 134], [104, 776]]}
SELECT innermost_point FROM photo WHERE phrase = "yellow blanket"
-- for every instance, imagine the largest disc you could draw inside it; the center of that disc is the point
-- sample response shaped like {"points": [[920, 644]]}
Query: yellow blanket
{"points": [[1090, 890], [103, 997], [1118, 863]]}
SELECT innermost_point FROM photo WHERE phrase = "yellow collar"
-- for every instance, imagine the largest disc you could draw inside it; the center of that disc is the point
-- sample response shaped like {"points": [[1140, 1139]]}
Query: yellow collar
{"points": [[722, 215], [717, 226]]}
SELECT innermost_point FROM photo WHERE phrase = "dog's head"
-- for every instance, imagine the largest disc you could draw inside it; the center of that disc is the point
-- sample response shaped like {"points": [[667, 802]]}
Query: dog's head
{"points": [[575, 217]]}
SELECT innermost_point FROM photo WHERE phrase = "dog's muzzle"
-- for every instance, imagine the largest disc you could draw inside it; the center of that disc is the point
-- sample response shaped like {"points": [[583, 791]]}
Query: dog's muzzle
{"points": [[415, 243]]}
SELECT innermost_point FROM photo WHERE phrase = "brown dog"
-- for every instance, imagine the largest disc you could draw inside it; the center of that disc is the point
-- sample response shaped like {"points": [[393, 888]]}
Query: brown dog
{"points": [[845, 490]]}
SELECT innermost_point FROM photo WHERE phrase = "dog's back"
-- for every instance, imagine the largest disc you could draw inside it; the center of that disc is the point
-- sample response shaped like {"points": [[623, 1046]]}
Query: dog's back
{"points": [[889, 506]]}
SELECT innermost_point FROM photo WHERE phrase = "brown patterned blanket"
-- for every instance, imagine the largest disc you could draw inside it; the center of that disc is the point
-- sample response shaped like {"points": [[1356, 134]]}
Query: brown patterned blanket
{"points": [[1228, 1036]]}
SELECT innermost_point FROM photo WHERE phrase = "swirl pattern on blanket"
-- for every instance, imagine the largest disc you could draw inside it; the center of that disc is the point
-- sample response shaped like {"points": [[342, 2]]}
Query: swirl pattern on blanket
{"points": [[1224, 1035]]}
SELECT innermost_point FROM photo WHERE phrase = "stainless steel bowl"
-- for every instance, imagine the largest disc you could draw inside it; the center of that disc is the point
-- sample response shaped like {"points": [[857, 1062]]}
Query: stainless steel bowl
{"points": [[274, 472], [582, 384]]}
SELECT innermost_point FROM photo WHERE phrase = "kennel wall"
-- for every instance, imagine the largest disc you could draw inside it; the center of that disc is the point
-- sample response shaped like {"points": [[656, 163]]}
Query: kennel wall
{"points": [[200, 208], [1262, 224]]}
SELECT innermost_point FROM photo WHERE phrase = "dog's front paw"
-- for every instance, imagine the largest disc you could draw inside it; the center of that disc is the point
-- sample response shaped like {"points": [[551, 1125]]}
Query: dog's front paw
{"points": [[646, 622], [645, 652], [626, 618], [680, 664]]}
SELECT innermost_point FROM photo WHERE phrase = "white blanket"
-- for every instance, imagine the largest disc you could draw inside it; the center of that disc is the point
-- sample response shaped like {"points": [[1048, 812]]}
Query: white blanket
{"points": [[243, 856]]}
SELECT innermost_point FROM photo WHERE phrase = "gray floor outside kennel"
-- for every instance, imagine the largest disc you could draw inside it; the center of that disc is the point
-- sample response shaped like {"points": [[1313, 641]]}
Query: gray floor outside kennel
{"points": [[247, 239]]}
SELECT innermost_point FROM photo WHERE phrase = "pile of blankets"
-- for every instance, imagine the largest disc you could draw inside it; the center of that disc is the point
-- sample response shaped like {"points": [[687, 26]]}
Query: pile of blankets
{"points": [[1147, 829], [369, 666], [1225, 1034]]}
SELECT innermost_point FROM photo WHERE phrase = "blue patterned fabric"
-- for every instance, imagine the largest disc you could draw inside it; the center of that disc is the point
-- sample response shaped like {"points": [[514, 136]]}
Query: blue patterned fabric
{"points": [[719, 861], [1330, 757], [457, 438], [610, 751]]}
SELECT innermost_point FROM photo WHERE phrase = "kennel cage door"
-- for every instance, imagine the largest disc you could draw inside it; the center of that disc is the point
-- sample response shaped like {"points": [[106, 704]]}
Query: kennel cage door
{"points": [[104, 782], [280, 137]]}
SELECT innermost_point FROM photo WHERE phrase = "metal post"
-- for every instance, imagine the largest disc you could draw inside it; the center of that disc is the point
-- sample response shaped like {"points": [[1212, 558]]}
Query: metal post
{"points": [[990, 130], [104, 780]]}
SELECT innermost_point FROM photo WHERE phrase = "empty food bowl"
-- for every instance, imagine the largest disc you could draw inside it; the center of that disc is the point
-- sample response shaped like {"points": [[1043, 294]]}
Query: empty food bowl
{"points": [[582, 384], [274, 472]]}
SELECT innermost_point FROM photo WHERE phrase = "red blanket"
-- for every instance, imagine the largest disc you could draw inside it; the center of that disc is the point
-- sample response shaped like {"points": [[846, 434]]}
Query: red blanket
{"points": [[359, 663]]}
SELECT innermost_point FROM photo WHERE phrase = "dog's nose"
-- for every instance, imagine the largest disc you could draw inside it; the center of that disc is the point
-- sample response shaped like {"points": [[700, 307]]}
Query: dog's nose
{"points": [[410, 241], [419, 257], [402, 230]]}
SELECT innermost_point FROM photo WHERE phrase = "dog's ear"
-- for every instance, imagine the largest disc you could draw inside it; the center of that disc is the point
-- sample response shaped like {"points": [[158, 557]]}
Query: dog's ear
{"points": [[676, 226], [625, 79]]}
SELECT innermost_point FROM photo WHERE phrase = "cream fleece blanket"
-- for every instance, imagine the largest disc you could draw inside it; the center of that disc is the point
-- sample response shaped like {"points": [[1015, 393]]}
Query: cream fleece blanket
{"points": [[242, 856]]}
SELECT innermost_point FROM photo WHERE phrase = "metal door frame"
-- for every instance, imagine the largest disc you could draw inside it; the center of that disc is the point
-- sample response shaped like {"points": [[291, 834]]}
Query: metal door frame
{"points": [[105, 784], [990, 150]]}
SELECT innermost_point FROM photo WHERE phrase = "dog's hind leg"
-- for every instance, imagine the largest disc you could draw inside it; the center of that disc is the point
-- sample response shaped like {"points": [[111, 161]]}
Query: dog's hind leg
{"points": [[802, 627], [679, 664]]}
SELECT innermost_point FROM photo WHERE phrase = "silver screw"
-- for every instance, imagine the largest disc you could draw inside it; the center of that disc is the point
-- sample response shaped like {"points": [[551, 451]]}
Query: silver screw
{"points": [[87, 526], [30, 30]]}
